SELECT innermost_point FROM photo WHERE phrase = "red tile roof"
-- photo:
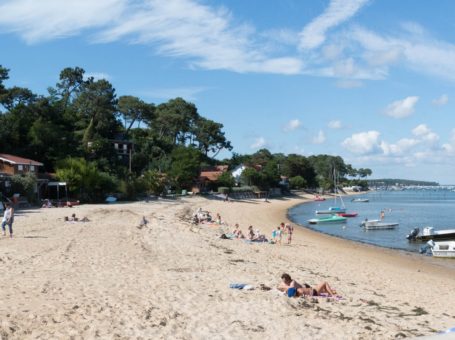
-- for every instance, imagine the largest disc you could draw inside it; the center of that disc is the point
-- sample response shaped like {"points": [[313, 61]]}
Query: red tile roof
{"points": [[18, 160]]}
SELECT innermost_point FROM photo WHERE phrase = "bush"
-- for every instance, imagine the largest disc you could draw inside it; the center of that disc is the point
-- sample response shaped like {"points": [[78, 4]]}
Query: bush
{"points": [[25, 186], [155, 182], [297, 182], [85, 180], [224, 190]]}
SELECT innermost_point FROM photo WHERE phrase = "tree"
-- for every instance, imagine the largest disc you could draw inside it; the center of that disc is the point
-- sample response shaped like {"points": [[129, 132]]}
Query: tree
{"points": [[297, 182], [135, 110], [185, 166], [226, 180], [210, 137], [85, 180]]}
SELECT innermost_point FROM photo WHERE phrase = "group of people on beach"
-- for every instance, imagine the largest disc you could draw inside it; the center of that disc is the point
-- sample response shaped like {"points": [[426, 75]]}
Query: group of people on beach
{"points": [[252, 234]]}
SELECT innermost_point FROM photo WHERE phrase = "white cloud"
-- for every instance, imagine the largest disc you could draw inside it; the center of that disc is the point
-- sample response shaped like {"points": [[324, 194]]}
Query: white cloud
{"points": [[441, 101], [423, 132], [258, 143], [339, 11], [348, 84], [402, 108], [335, 124], [188, 93], [363, 143], [292, 125], [399, 148], [43, 20], [319, 138], [205, 35]]}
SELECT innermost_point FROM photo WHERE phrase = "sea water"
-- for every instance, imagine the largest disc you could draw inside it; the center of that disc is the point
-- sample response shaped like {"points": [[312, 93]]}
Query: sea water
{"points": [[409, 208]]}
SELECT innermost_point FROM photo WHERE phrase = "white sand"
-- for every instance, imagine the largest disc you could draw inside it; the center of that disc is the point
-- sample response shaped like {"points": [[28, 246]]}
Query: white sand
{"points": [[110, 279]]}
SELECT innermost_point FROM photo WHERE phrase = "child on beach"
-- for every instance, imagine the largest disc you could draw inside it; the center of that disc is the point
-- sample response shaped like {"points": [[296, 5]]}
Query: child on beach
{"points": [[289, 231], [8, 219]]}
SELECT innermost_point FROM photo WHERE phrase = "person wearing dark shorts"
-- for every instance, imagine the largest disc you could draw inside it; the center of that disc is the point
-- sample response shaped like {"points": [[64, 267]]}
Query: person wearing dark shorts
{"points": [[8, 219]]}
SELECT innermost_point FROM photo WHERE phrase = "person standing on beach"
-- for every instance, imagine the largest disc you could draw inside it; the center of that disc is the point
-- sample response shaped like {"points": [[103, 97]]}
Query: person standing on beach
{"points": [[289, 230], [8, 219]]}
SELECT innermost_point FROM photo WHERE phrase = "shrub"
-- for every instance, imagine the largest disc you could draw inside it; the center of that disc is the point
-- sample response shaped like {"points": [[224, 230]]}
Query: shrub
{"points": [[24, 185], [297, 182]]}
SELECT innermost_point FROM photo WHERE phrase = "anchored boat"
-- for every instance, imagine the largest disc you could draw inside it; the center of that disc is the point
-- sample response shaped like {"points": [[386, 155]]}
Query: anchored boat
{"points": [[441, 248], [428, 233], [378, 225], [331, 219], [362, 200], [332, 210]]}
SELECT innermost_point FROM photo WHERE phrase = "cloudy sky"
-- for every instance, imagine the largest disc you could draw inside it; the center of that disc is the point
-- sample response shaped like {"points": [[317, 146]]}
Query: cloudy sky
{"points": [[370, 80]]}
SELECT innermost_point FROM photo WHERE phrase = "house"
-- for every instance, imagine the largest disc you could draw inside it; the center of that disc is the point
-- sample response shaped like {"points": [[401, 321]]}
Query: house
{"points": [[209, 176], [15, 165], [238, 170]]}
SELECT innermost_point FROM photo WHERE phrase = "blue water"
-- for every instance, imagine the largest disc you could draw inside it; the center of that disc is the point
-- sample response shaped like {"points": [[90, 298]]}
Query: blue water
{"points": [[410, 209]]}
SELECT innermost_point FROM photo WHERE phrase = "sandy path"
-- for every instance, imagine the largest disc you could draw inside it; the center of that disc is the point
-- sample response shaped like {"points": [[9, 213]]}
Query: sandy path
{"points": [[110, 279]]}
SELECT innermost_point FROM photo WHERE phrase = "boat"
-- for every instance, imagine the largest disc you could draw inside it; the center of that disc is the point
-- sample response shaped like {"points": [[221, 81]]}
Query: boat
{"points": [[331, 210], [331, 219], [378, 225], [362, 200], [442, 248], [428, 233], [319, 199], [334, 209], [345, 214]]}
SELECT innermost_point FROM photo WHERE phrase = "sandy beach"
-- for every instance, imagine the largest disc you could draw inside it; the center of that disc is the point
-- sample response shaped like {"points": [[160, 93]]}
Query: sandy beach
{"points": [[112, 279]]}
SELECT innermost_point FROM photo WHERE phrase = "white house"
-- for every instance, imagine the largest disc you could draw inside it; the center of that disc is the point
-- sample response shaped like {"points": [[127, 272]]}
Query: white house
{"points": [[237, 172]]}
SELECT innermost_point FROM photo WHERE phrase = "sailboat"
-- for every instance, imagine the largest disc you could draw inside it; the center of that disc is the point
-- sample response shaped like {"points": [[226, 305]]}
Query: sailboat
{"points": [[335, 209]]}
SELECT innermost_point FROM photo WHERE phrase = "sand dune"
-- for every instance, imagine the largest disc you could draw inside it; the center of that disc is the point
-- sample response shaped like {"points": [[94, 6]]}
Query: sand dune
{"points": [[111, 278]]}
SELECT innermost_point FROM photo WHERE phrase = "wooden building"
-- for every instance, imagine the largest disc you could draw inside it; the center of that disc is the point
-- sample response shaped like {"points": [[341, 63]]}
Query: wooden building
{"points": [[15, 165]]}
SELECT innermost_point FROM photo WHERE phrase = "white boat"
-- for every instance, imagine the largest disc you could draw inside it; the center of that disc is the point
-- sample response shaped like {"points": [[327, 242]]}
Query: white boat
{"points": [[364, 200], [428, 233], [442, 248], [378, 225], [332, 210]]}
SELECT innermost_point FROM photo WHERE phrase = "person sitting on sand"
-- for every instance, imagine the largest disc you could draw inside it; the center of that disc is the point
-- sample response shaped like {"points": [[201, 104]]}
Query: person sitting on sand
{"points": [[218, 218], [237, 232], [306, 289]]}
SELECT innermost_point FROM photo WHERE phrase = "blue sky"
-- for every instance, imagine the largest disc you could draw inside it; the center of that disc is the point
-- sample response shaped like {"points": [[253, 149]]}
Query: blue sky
{"points": [[372, 81]]}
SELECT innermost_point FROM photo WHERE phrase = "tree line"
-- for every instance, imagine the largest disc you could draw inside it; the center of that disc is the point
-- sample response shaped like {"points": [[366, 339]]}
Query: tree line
{"points": [[73, 128]]}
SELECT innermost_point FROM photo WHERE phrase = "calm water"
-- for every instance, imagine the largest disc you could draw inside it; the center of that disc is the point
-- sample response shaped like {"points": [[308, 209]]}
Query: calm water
{"points": [[409, 208]]}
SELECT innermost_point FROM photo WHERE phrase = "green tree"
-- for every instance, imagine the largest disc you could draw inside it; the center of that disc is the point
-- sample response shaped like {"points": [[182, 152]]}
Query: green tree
{"points": [[297, 182], [185, 166]]}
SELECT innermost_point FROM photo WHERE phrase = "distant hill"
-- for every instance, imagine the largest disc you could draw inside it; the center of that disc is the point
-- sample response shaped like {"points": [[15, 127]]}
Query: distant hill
{"points": [[400, 182]]}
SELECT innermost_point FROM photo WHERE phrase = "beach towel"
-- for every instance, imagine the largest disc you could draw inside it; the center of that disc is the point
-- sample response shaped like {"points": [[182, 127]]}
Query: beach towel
{"points": [[243, 286]]}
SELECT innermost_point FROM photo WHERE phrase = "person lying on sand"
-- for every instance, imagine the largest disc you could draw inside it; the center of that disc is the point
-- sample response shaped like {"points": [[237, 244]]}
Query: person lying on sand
{"points": [[306, 289]]}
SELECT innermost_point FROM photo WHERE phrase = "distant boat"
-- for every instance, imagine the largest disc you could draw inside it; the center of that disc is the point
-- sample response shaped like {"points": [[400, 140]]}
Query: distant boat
{"points": [[331, 210], [319, 199], [378, 225], [442, 248], [428, 233], [331, 219], [345, 214], [362, 200]]}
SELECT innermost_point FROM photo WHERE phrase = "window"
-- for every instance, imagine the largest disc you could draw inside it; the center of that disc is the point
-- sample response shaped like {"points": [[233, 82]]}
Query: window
{"points": [[20, 167], [32, 168]]}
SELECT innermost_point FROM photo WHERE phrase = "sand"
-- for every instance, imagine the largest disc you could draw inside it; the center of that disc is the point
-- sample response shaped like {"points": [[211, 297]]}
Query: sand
{"points": [[112, 279]]}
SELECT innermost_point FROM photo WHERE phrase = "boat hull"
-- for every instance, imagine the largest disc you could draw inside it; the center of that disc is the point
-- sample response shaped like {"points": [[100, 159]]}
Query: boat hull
{"points": [[348, 214], [335, 219], [380, 226]]}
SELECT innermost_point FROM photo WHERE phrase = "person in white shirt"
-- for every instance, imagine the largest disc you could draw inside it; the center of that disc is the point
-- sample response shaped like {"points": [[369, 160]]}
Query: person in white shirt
{"points": [[8, 219]]}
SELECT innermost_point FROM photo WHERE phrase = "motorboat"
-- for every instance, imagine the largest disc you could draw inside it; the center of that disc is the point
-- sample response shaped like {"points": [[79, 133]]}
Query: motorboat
{"points": [[440, 248], [360, 200], [379, 225], [331, 219], [331, 210], [346, 214], [428, 233]]}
